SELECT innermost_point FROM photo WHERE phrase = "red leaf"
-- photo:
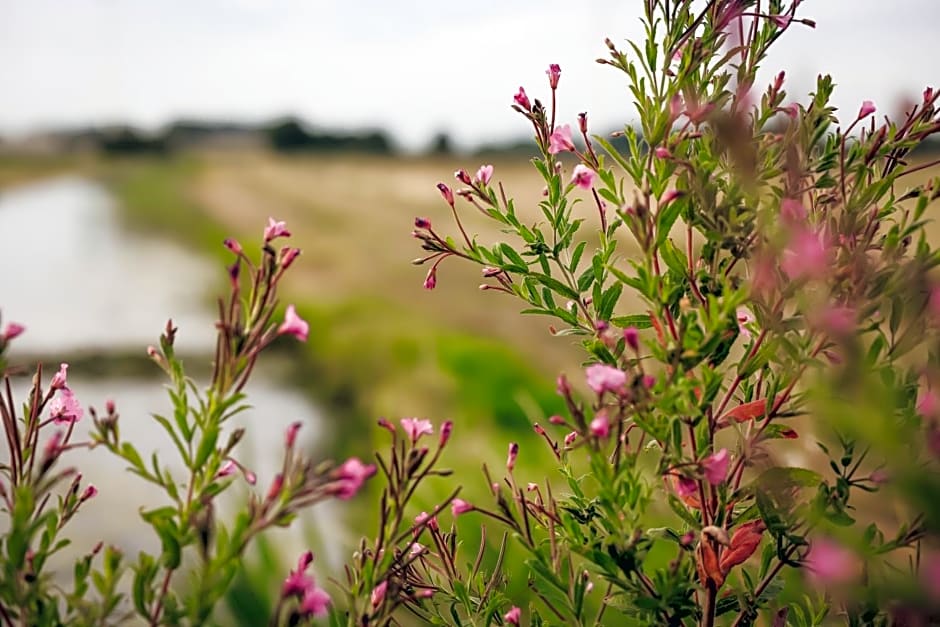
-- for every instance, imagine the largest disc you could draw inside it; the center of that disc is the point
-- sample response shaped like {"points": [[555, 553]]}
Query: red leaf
{"points": [[744, 542]]}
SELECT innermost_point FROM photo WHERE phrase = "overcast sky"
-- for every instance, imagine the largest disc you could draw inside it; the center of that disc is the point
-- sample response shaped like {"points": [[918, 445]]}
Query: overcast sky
{"points": [[412, 67]]}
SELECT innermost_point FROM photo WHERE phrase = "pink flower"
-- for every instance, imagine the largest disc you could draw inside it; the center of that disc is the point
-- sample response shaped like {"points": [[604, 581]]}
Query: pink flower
{"points": [[570, 438], [560, 140], [462, 176], [297, 582], [930, 575], [675, 106], [65, 408], [928, 405], [662, 153], [669, 196], [867, 108], [423, 518], [228, 468], [511, 457], [554, 73], [583, 176], [792, 211], [531, 487], [430, 281], [513, 616], [13, 330], [288, 255], [600, 426], [830, 563], [686, 487], [745, 317], [60, 379], [274, 230], [446, 430], [781, 21], [805, 256], [422, 223], [460, 506], [484, 174], [316, 602], [522, 100], [350, 477], [792, 110], [378, 594], [648, 381], [294, 325], [603, 378], [716, 466], [415, 428]]}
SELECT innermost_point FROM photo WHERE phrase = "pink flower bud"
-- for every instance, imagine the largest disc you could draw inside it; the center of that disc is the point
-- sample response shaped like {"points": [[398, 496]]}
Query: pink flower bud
{"points": [[570, 438], [522, 100], [233, 245], [556, 420], [378, 594], [423, 518], [531, 487], [484, 174], [582, 123], [715, 467], [675, 106], [928, 95], [276, 485], [446, 193], [288, 255], [513, 616], [554, 73], [648, 381], [89, 493], [274, 230], [446, 429], [560, 140], [109, 407], [460, 506], [462, 176], [511, 458], [422, 223], [250, 477], [294, 325], [227, 468], [780, 21], [669, 196], [291, 435], [583, 176], [430, 281], [12, 331], [60, 379], [662, 153], [562, 386], [867, 108], [778, 81], [600, 426], [538, 429], [792, 110], [632, 337]]}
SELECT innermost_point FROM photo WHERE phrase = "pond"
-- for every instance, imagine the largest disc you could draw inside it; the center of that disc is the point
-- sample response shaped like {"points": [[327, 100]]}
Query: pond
{"points": [[82, 284]]}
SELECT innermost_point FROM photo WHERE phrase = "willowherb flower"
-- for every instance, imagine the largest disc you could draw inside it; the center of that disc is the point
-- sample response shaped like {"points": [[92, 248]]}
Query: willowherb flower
{"points": [[274, 230], [829, 563], [513, 616], [12, 331], [511, 456], [294, 325], [867, 108], [522, 99], [65, 408], [89, 493], [422, 223], [423, 518], [669, 196], [583, 176], [298, 582], [291, 434], [227, 468], [416, 427], [600, 425], [792, 211], [378, 594], [460, 506], [233, 245], [792, 110], [287, 256], [446, 430], [805, 256], [715, 467], [744, 317], [316, 602], [484, 174], [462, 176], [446, 193], [781, 21], [554, 73], [603, 378], [60, 379], [560, 140], [570, 438], [430, 281], [631, 336], [350, 477], [662, 153]]}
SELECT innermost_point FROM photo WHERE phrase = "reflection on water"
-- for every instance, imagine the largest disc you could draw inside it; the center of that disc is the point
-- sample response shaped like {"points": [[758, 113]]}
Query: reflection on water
{"points": [[76, 280]]}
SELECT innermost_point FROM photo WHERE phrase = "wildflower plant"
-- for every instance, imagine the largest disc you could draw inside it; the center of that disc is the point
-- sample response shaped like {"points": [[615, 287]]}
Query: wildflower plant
{"points": [[746, 273], [200, 550]]}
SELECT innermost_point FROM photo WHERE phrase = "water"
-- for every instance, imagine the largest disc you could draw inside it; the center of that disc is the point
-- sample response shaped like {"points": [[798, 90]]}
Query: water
{"points": [[79, 282]]}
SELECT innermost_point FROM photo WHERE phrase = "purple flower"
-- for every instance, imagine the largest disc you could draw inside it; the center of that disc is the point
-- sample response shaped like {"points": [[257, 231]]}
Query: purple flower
{"points": [[867, 108], [715, 467], [350, 477]]}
